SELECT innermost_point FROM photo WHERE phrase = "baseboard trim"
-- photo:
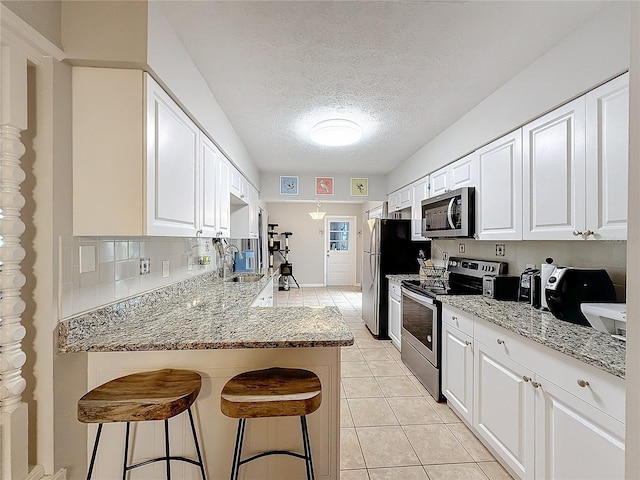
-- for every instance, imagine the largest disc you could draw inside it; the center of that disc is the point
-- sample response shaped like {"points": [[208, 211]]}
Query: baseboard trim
{"points": [[36, 472]]}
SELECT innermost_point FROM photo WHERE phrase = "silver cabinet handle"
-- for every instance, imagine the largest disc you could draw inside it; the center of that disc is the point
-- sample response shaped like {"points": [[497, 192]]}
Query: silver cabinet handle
{"points": [[500, 341], [583, 383], [454, 318], [525, 378], [587, 233], [467, 342], [577, 233], [535, 384]]}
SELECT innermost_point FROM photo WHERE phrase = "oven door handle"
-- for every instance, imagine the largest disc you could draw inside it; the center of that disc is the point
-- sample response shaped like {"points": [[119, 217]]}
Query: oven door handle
{"points": [[423, 299], [450, 213]]}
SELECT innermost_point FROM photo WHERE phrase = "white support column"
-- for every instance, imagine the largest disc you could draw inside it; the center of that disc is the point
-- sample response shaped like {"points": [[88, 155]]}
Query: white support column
{"points": [[13, 411]]}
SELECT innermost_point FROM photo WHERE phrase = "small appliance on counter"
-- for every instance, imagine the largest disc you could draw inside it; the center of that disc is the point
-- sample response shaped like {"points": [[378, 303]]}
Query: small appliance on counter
{"points": [[569, 287], [245, 261], [530, 287], [609, 318], [501, 287], [546, 269]]}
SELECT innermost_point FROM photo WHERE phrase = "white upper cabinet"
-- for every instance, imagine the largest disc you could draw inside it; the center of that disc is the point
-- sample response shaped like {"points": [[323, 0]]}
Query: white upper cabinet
{"points": [[461, 173], [554, 174], [419, 192], [223, 206], [400, 199], [238, 185], [172, 166], [607, 160], [499, 190], [140, 165]]}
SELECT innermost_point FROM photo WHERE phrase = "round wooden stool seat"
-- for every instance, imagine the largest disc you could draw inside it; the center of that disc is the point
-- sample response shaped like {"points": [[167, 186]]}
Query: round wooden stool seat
{"points": [[156, 395], [273, 392]]}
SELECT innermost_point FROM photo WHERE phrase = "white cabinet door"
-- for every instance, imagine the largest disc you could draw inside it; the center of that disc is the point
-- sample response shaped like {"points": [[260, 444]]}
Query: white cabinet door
{"points": [[504, 408], [457, 371], [607, 160], [419, 191], [223, 206], [172, 166], [252, 195], [499, 189], [406, 197], [395, 314], [439, 181], [238, 186], [554, 174], [464, 172], [575, 440], [208, 184], [393, 199]]}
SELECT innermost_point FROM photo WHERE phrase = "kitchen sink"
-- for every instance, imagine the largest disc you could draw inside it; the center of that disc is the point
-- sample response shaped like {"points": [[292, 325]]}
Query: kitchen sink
{"points": [[245, 278]]}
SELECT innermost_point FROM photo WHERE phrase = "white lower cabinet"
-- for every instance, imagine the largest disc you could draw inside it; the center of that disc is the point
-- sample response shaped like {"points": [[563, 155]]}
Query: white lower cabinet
{"points": [[543, 414], [504, 410], [395, 313], [575, 440], [265, 297]]}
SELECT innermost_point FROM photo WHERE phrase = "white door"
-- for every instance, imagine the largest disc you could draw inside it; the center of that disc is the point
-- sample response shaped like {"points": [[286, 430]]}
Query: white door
{"points": [[457, 373], [340, 242]]}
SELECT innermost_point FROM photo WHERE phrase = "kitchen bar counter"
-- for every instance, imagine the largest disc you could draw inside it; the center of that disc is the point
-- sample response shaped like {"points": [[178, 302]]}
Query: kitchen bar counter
{"points": [[201, 313], [209, 326], [582, 343]]}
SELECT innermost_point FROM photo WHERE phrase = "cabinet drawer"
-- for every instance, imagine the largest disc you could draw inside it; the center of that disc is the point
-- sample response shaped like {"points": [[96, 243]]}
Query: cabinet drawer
{"points": [[457, 319], [395, 290], [502, 341]]}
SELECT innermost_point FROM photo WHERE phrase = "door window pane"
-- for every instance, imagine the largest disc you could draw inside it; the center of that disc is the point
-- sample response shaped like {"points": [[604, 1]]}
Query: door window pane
{"points": [[339, 235]]}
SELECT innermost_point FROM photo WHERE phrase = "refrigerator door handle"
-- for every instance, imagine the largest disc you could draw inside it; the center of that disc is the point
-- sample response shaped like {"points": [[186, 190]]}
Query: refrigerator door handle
{"points": [[372, 270]]}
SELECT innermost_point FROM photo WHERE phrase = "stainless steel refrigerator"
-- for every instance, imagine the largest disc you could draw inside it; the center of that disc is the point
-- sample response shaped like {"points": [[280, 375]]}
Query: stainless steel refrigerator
{"points": [[387, 249]]}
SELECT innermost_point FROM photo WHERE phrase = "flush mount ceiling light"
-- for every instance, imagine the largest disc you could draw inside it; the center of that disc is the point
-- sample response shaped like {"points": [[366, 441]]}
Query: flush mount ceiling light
{"points": [[336, 132], [317, 215]]}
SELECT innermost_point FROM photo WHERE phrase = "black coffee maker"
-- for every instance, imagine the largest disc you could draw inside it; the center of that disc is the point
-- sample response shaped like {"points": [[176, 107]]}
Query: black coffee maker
{"points": [[530, 288]]}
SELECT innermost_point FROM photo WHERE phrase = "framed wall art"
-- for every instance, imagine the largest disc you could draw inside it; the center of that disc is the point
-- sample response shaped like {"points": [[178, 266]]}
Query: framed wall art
{"points": [[288, 185], [324, 185], [359, 187]]}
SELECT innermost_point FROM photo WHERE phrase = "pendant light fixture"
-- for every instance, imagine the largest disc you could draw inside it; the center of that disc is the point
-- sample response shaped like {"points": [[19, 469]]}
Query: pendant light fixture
{"points": [[317, 215]]}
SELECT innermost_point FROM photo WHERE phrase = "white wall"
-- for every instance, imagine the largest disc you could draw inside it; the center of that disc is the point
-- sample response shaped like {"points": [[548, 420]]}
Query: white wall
{"points": [[307, 243], [594, 53], [270, 188]]}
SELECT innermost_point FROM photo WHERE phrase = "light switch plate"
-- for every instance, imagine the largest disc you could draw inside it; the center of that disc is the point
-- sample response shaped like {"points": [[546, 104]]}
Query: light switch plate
{"points": [[165, 268], [87, 258]]}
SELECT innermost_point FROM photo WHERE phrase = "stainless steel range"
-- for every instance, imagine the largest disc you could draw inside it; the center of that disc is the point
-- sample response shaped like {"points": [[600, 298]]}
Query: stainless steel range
{"points": [[422, 314]]}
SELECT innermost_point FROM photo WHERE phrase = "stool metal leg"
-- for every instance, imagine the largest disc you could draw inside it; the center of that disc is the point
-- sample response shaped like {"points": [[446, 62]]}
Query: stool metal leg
{"points": [[95, 450], [307, 448], [195, 440], [166, 448], [237, 452], [126, 452]]}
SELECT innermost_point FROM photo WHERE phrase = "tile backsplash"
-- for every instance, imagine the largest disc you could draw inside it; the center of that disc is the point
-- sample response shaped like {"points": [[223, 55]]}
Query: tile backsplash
{"points": [[610, 255], [116, 273]]}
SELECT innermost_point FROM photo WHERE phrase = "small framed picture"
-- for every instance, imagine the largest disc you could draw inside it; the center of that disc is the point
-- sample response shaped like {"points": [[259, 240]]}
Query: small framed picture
{"points": [[359, 187], [324, 185], [288, 185]]}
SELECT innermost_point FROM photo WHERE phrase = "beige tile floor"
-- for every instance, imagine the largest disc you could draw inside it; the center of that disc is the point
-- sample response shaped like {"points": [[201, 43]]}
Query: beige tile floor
{"points": [[391, 428]]}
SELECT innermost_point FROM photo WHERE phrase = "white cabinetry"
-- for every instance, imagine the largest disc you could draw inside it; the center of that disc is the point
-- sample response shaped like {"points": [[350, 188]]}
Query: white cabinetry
{"points": [[607, 160], [223, 206], [457, 360], [395, 313], [419, 192], [244, 213], [461, 173], [400, 199], [238, 184], [499, 189], [265, 297], [554, 174], [129, 183]]}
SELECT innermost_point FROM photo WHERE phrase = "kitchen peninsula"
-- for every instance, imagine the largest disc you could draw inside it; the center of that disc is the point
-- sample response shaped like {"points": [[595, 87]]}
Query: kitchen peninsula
{"points": [[208, 325]]}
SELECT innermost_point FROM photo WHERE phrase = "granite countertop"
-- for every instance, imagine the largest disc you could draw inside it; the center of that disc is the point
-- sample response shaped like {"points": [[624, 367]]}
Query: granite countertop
{"points": [[582, 343], [203, 312]]}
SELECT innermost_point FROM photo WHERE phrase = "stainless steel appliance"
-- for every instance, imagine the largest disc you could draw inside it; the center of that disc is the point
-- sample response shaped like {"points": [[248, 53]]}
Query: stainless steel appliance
{"points": [[568, 287], [422, 315], [388, 249], [449, 215], [530, 286], [501, 287]]}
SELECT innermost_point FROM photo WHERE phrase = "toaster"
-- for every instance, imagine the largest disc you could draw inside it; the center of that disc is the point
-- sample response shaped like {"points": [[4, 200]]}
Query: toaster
{"points": [[501, 287]]}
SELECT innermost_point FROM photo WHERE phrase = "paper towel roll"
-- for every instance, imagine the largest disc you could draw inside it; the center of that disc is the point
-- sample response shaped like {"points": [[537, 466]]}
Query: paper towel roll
{"points": [[545, 273]]}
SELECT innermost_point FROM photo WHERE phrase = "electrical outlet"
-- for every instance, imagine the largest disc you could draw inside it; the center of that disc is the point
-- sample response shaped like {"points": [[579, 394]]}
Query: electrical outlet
{"points": [[165, 268], [500, 249], [461, 248], [445, 256], [145, 266]]}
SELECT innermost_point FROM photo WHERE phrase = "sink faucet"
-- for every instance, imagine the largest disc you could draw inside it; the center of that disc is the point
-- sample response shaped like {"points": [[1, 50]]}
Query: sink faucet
{"points": [[228, 259]]}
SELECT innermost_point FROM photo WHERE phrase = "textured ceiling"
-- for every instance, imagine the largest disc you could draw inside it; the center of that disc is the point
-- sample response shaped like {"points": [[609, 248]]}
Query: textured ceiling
{"points": [[404, 71]]}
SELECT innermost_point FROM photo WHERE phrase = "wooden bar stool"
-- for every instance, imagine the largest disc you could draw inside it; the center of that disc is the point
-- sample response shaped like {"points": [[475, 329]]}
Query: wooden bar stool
{"points": [[157, 395], [273, 392]]}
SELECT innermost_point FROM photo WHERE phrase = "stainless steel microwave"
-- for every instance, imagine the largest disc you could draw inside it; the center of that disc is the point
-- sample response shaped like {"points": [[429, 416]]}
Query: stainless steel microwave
{"points": [[450, 214]]}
